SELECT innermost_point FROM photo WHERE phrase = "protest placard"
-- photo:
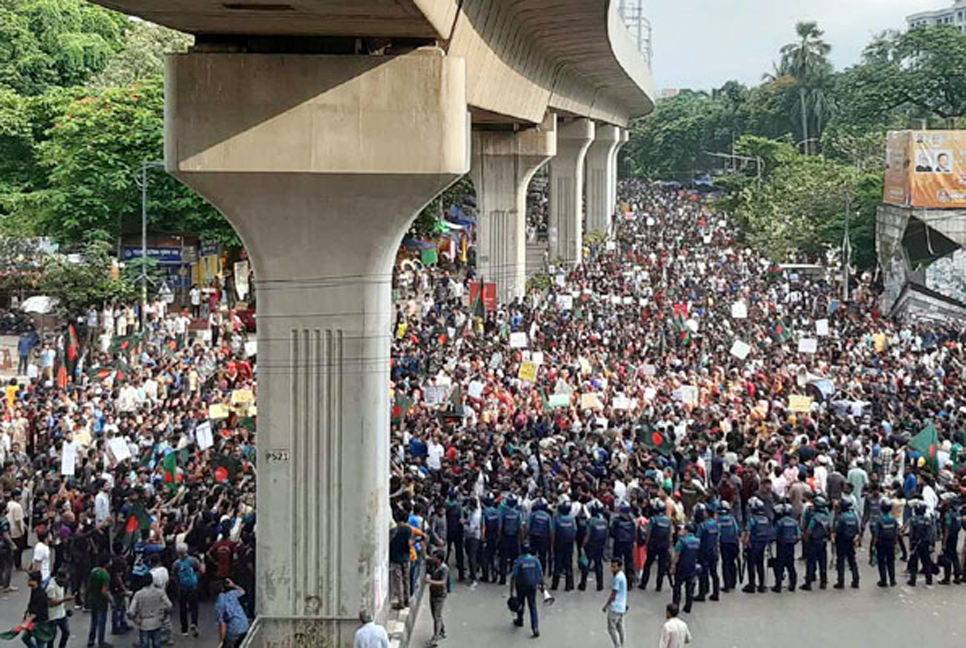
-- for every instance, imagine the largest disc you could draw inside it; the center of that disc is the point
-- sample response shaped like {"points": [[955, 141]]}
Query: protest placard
{"points": [[808, 345], [797, 403], [740, 349]]}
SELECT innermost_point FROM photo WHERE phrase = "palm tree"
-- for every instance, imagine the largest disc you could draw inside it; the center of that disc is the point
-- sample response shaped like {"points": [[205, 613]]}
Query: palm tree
{"points": [[805, 59]]}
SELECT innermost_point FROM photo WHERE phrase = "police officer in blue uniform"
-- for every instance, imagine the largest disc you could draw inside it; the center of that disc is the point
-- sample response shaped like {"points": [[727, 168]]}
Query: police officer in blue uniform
{"points": [[787, 534], [951, 526], [594, 543], [658, 542], [526, 579], [922, 537], [685, 564], [540, 533], [758, 534], [491, 539], [707, 553], [847, 529], [564, 536], [886, 536], [816, 535], [510, 529], [454, 529], [729, 534], [622, 531]]}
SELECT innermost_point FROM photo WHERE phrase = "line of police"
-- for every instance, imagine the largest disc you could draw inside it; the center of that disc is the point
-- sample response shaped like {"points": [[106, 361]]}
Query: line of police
{"points": [[528, 547]]}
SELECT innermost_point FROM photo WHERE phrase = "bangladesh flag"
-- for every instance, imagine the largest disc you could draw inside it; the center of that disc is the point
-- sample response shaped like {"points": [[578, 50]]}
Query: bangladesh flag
{"points": [[137, 522], [170, 465], [400, 408], [658, 440], [226, 468], [40, 632], [247, 422], [927, 444], [479, 308], [684, 333], [781, 332]]}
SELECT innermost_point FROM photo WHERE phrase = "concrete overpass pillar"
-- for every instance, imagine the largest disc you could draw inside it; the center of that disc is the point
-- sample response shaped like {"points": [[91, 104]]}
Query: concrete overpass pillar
{"points": [[567, 190], [320, 163], [601, 178], [503, 163], [624, 137]]}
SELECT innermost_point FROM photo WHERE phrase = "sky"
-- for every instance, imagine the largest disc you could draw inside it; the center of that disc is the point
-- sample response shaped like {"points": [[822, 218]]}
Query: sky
{"points": [[700, 44]]}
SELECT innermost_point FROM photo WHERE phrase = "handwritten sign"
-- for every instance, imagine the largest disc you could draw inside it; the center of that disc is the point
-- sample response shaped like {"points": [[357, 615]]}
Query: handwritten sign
{"points": [[797, 403], [203, 436], [740, 349], [821, 328], [119, 449], [739, 310], [217, 411], [528, 371], [808, 345], [68, 460], [518, 340]]}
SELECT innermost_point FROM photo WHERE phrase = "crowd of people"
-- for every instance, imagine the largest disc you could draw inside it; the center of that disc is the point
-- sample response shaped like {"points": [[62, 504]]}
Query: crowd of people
{"points": [[128, 469], [680, 406]]}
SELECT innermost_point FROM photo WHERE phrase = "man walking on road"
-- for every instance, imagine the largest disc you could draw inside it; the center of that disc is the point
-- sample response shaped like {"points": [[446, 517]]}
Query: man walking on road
{"points": [[675, 633], [616, 605]]}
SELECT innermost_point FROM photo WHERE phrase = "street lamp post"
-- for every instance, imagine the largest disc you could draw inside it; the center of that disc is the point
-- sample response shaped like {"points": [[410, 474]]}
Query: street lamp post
{"points": [[144, 234]]}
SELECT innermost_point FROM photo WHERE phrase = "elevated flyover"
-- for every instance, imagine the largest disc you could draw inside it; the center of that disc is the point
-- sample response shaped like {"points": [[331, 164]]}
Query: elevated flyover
{"points": [[319, 128]]}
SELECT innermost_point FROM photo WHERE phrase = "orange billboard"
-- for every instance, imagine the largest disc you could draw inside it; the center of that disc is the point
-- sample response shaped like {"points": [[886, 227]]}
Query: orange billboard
{"points": [[926, 169]]}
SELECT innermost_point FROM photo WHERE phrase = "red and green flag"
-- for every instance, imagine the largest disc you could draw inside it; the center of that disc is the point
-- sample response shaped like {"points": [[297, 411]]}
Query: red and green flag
{"points": [[400, 407], [926, 443], [170, 465], [781, 332], [658, 440], [226, 468], [136, 523]]}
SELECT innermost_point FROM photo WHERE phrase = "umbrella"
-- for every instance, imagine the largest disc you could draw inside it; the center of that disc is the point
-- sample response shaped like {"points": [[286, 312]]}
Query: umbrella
{"points": [[40, 304]]}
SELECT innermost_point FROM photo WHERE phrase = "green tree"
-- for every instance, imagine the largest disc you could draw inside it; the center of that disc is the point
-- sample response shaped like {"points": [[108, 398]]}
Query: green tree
{"points": [[806, 60], [47, 43], [93, 157], [142, 56], [78, 285]]}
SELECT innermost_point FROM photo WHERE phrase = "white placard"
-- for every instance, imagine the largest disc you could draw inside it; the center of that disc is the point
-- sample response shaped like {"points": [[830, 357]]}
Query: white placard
{"points": [[251, 348], [518, 340], [650, 370], [821, 328], [496, 360], [687, 394], [739, 310], [740, 349], [435, 395], [561, 280], [537, 358], [68, 459], [620, 402], [203, 436], [475, 390], [565, 302], [808, 345], [119, 449], [692, 325]]}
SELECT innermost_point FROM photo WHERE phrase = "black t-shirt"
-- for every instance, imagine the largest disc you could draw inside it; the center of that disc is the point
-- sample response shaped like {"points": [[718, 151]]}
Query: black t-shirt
{"points": [[38, 604], [399, 545]]}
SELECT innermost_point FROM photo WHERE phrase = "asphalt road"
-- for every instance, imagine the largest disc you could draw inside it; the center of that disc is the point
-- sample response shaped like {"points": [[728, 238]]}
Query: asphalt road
{"points": [[900, 617], [12, 607]]}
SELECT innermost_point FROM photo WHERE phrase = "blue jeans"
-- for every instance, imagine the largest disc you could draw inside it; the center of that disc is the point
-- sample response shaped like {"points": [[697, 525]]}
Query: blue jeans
{"points": [[98, 623], [63, 625], [149, 638], [31, 643], [119, 624]]}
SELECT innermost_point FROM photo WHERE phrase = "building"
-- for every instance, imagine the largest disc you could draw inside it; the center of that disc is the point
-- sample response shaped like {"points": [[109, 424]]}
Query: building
{"points": [[954, 15]]}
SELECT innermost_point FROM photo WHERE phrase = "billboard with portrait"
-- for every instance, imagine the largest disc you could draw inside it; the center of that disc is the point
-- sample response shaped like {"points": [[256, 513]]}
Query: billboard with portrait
{"points": [[926, 169]]}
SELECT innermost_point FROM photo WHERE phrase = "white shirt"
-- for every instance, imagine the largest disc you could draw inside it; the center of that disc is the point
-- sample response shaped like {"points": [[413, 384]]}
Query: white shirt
{"points": [[434, 455], [56, 593], [675, 634], [102, 507], [371, 636], [42, 555]]}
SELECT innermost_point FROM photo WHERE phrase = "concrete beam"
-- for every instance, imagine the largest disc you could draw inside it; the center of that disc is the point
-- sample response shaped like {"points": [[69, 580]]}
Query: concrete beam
{"points": [[320, 163], [567, 191], [601, 177], [502, 165]]}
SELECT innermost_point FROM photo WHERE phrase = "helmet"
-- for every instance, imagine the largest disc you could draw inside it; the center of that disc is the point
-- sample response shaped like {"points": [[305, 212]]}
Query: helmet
{"points": [[525, 547], [563, 508], [781, 510], [919, 507], [689, 527], [724, 507], [845, 505], [658, 506], [540, 505], [596, 510], [821, 502], [511, 500], [756, 505], [453, 492], [700, 513], [885, 506], [624, 507]]}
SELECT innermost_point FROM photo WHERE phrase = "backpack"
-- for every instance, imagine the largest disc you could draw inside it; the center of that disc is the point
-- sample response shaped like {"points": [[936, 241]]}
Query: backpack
{"points": [[187, 576]]}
